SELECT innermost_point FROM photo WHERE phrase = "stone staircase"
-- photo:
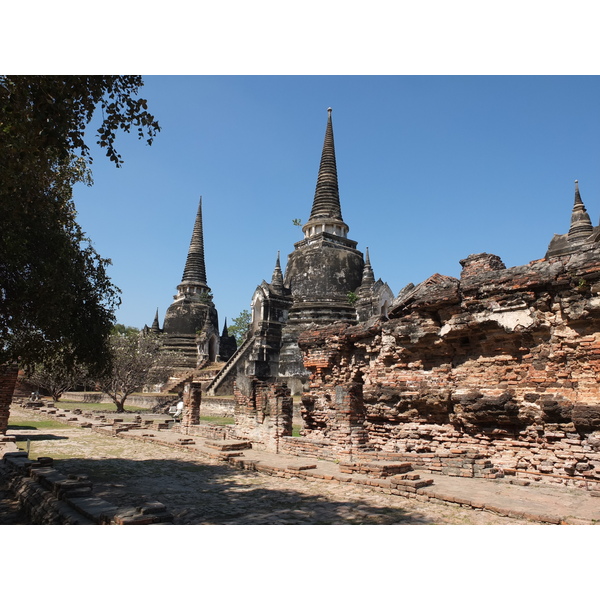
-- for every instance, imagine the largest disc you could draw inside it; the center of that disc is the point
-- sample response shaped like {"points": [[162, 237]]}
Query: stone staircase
{"points": [[238, 355], [176, 383]]}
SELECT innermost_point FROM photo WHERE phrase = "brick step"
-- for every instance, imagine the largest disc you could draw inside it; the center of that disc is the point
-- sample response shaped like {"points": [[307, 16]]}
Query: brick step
{"points": [[225, 456], [186, 441], [376, 468], [226, 446], [409, 481], [298, 468]]}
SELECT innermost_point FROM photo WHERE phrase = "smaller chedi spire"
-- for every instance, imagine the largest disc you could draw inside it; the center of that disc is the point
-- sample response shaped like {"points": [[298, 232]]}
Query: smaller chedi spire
{"points": [[227, 344], [368, 277], [581, 225], [277, 279], [155, 328]]}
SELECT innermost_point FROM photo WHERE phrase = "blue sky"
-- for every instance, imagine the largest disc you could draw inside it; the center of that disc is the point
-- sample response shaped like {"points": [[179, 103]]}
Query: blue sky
{"points": [[431, 169]]}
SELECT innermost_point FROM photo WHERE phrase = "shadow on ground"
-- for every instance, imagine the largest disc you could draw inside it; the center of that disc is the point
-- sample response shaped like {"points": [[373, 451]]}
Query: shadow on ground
{"points": [[213, 494], [37, 437]]}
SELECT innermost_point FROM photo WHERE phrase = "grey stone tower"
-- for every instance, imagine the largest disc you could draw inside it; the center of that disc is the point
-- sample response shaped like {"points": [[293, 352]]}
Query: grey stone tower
{"points": [[191, 326], [326, 280], [325, 266]]}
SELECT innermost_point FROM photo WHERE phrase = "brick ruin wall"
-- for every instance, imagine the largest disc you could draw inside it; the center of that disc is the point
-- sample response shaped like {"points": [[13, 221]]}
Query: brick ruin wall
{"points": [[263, 413], [8, 380], [495, 373]]}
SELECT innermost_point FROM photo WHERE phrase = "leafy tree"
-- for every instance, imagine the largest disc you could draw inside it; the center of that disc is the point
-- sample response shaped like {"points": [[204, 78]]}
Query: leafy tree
{"points": [[136, 361], [55, 295], [57, 377], [240, 327]]}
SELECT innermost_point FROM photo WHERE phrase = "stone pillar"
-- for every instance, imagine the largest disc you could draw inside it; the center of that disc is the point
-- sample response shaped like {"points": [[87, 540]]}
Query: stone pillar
{"points": [[8, 380], [192, 398]]}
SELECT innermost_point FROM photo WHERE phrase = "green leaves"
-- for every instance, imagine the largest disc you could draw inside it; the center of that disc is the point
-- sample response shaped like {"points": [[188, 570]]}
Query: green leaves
{"points": [[54, 289], [240, 327]]}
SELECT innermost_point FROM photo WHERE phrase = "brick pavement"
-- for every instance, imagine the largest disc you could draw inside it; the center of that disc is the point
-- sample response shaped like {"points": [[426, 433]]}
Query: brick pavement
{"points": [[507, 497]]}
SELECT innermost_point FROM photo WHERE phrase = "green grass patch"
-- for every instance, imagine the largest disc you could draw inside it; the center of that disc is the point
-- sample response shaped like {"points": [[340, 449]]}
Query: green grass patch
{"points": [[101, 406], [30, 425], [296, 430], [218, 420]]}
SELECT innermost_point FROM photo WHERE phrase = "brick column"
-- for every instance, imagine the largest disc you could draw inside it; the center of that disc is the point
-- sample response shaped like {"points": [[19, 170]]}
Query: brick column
{"points": [[192, 399], [8, 380], [349, 417]]}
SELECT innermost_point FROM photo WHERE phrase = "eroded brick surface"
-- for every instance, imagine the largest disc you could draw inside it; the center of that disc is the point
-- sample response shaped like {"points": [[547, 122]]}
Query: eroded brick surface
{"points": [[496, 372]]}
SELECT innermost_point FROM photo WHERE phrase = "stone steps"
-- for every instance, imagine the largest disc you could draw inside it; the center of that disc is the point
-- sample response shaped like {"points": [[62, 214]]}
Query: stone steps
{"points": [[227, 445]]}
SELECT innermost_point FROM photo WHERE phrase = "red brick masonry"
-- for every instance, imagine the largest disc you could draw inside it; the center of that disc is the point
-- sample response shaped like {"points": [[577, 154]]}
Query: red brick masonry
{"points": [[495, 373]]}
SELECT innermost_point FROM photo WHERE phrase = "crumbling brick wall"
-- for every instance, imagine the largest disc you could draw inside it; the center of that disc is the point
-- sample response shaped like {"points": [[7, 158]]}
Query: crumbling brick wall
{"points": [[503, 364], [263, 413]]}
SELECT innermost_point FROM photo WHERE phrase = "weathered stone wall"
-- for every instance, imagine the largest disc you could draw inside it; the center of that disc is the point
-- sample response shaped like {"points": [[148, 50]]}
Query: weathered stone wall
{"points": [[499, 370]]}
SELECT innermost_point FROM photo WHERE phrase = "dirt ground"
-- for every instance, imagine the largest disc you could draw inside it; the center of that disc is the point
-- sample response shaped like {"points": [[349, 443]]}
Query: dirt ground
{"points": [[198, 491]]}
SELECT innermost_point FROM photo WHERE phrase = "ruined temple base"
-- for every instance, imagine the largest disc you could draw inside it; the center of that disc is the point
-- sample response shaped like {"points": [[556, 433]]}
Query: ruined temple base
{"points": [[510, 496]]}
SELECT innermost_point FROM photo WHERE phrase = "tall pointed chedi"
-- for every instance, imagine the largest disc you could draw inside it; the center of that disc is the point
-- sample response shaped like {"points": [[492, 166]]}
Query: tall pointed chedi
{"points": [[326, 204], [191, 322], [325, 266], [194, 273]]}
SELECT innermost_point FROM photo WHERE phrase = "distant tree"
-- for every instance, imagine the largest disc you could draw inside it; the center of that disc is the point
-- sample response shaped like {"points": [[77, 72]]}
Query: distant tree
{"points": [[56, 376], [125, 330], [55, 295], [240, 327], [137, 360]]}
